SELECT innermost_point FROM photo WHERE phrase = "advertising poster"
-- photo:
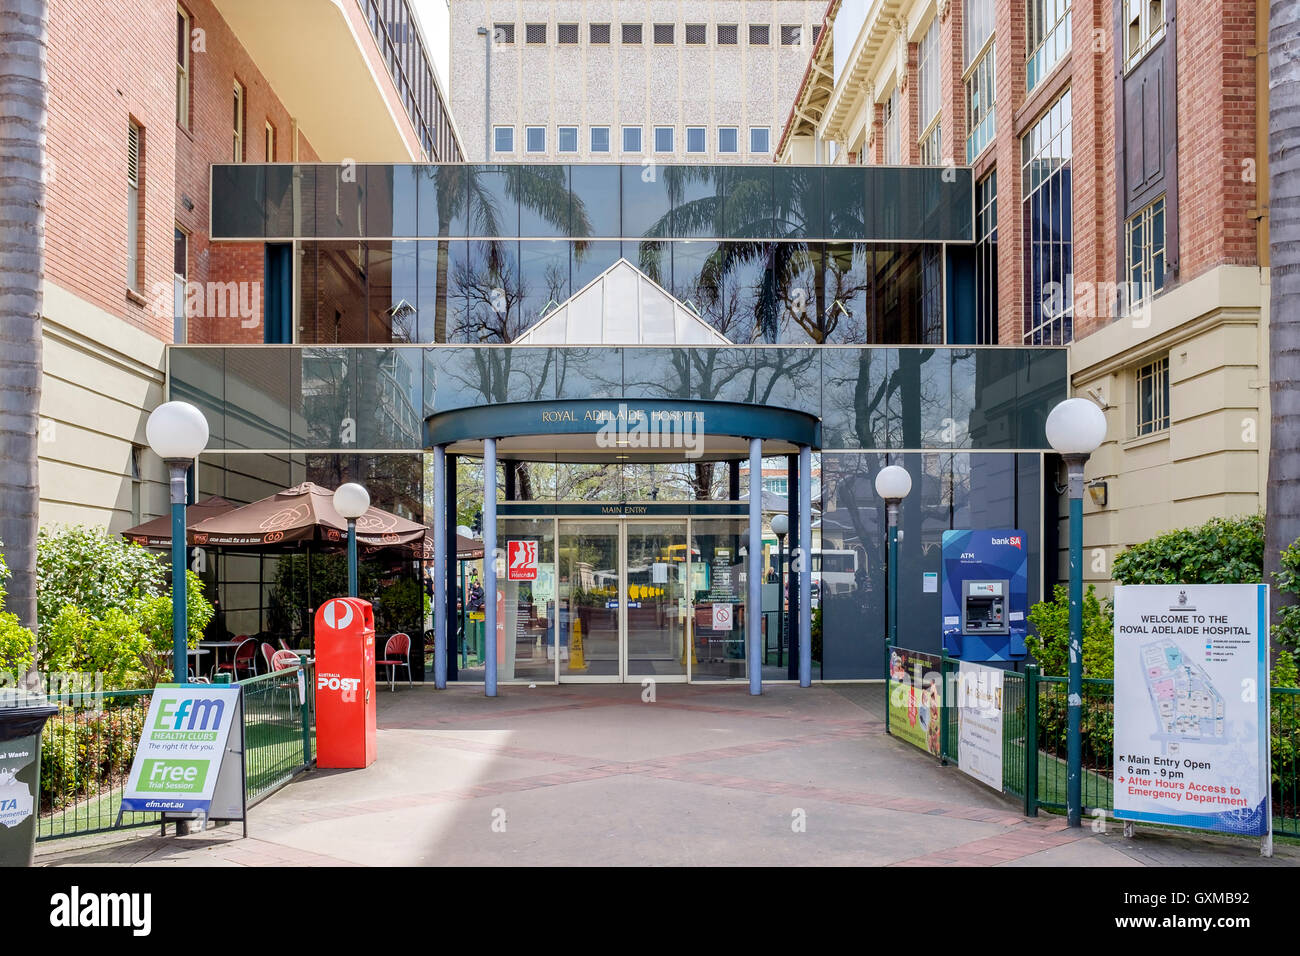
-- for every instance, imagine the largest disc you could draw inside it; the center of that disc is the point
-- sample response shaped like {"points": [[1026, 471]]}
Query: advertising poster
{"points": [[521, 560], [915, 698], [181, 748], [979, 723], [1191, 706]]}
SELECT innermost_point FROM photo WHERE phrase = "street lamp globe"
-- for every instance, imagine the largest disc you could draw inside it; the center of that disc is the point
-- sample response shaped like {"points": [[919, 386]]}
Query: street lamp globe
{"points": [[176, 431], [893, 483], [780, 525], [1076, 427], [351, 500]]}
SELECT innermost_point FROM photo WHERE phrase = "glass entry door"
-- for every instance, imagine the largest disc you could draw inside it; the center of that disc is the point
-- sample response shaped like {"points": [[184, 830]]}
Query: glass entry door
{"points": [[623, 602]]}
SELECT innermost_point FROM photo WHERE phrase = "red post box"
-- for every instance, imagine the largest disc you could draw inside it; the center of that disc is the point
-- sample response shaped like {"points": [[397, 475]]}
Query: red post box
{"points": [[345, 684]]}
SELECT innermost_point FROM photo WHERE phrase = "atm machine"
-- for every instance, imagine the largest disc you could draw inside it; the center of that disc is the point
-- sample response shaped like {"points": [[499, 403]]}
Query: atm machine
{"points": [[985, 595]]}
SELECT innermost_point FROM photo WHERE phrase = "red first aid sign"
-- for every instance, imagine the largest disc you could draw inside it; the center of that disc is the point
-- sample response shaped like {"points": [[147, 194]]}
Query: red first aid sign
{"points": [[521, 560]]}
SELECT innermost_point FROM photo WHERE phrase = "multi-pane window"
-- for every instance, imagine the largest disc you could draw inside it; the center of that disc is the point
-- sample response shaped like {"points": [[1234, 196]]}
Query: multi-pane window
{"points": [[928, 102], [599, 33], [697, 34], [182, 68], [566, 33], [663, 33], [503, 33], [1153, 397], [535, 32], [1049, 37], [760, 139], [180, 260], [986, 260], [535, 139], [696, 141], [1049, 235], [503, 139], [817, 34], [663, 139], [134, 174], [631, 32], [567, 139], [631, 139], [237, 147], [760, 34], [600, 139], [889, 129], [980, 59], [727, 34], [1144, 25], [1146, 251], [791, 34], [728, 139]]}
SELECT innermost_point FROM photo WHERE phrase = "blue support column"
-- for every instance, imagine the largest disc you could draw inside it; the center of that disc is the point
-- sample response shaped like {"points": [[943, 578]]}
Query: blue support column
{"points": [[180, 626], [490, 565], [1074, 671], [805, 566], [440, 566], [754, 568]]}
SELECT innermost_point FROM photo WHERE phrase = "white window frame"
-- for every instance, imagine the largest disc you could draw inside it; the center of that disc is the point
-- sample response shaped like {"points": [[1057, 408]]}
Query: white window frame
{"points": [[1138, 13], [767, 134], [703, 132], [528, 146], [559, 139], [183, 70], [134, 163], [269, 142], [640, 140], [672, 138], [496, 143], [735, 131], [591, 139], [239, 105]]}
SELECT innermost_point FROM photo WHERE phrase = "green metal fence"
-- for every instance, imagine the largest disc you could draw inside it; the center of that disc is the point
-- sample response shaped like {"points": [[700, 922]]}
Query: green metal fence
{"points": [[1034, 767], [88, 746]]}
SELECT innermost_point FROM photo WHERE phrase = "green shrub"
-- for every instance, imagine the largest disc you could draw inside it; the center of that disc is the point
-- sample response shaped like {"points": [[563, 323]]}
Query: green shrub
{"points": [[1051, 644], [84, 752], [1286, 629], [1221, 551], [155, 617], [94, 570], [16, 641]]}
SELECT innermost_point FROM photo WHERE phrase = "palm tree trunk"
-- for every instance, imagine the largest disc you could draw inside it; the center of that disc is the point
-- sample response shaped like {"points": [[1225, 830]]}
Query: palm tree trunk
{"points": [[1283, 505], [24, 102]]}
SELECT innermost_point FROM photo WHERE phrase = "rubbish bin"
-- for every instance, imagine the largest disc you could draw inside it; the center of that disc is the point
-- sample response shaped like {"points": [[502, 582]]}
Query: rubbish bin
{"points": [[22, 718]]}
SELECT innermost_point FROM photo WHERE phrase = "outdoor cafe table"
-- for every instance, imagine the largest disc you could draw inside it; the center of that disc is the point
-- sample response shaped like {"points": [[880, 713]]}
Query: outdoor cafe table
{"points": [[217, 648]]}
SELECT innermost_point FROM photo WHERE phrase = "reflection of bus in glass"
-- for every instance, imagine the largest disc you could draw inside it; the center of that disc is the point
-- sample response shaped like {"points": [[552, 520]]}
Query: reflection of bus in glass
{"points": [[834, 571], [677, 553]]}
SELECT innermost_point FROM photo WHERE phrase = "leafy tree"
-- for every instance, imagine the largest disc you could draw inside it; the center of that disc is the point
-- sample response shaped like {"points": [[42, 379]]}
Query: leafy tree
{"points": [[93, 570], [1286, 629], [1051, 645], [1221, 551], [155, 618], [16, 642]]}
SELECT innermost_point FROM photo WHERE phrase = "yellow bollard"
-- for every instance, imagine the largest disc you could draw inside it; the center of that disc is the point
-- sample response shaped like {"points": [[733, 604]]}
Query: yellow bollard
{"points": [[576, 661], [690, 642]]}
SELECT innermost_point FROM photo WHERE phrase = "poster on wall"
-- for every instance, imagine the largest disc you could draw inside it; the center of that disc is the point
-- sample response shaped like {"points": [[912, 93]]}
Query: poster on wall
{"points": [[979, 723], [1191, 706], [915, 698], [521, 560]]}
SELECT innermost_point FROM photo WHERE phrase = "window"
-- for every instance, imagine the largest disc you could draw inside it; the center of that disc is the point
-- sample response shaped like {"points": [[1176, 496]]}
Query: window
{"points": [[631, 33], [1144, 26], [137, 486], [695, 139], [600, 139], [759, 34], [503, 139], [986, 260], [180, 258], [663, 139], [535, 32], [728, 139], [566, 33], [134, 175], [663, 33], [503, 33], [182, 68], [981, 115], [931, 146], [1049, 237], [978, 17], [535, 139], [791, 34], [1049, 37], [817, 33], [1153, 397], [927, 75], [631, 139], [759, 139], [599, 33], [1146, 252], [727, 34], [237, 150], [697, 34], [567, 137], [270, 142], [889, 129], [776, 486]]}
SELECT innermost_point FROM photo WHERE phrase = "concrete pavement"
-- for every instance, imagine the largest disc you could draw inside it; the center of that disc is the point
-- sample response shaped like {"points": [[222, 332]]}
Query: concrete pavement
{"points": [[595, 774]]}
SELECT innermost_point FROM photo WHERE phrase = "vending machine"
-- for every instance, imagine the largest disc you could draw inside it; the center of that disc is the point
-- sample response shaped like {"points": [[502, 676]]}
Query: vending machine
{"points": [[345, 684]]}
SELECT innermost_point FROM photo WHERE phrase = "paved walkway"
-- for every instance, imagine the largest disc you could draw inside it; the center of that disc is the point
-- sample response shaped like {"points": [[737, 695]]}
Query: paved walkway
{"points": [[593, 774]]}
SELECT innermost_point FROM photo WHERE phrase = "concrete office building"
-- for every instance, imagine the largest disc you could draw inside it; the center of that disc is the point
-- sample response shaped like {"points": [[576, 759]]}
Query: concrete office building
{"points": [[1119, 149], [630, 81]]}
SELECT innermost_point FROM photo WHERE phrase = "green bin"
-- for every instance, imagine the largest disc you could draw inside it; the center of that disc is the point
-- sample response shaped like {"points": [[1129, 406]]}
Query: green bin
{"points": [[22, 718]]}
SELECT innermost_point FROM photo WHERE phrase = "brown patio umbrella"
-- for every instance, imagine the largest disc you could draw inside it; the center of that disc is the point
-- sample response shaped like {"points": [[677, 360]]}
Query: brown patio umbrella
{"points": [[157, 532], [303, 514], [467, 549]]}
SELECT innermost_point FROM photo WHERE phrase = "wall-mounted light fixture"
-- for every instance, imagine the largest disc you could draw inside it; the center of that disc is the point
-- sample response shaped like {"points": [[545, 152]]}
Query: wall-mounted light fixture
{"points": [[1098, 489]]}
